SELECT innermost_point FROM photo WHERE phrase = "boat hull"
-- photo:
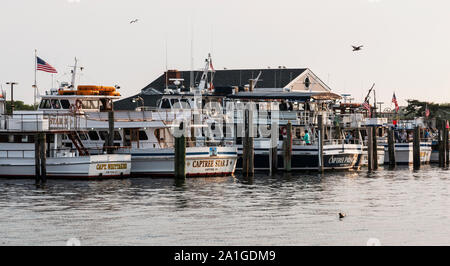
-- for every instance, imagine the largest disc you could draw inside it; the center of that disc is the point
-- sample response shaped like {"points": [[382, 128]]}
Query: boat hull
{"points": [[365, 159], [200, 162], [404, 153], [305, 157], [83, 167]]}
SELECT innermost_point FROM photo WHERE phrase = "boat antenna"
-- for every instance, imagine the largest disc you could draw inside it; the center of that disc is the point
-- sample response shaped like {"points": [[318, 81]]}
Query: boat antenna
{"points": [[167, 68], [191, 78]]}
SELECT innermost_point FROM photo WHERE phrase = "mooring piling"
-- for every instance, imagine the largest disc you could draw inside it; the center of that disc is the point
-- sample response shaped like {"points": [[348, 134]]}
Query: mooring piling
{"points": [[375, 147], [287, 148], [110, 140], [391, 148], [43, 156], [370, 149], [416, 148], [247, 145], [180, 155], [446, 145], [273, 149], [442, 153], [37, 161], [320, 143]]}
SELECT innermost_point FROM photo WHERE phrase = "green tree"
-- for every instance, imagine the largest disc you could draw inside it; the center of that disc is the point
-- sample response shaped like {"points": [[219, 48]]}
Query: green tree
{"points": [[417, 108], [19, 106]]}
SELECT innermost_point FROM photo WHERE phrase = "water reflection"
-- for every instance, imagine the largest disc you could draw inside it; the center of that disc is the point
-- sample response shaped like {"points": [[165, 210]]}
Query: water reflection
{"points": [[284, 209]]}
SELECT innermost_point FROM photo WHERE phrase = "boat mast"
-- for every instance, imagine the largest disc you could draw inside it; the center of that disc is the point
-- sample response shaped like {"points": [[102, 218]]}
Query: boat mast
{"points": [[191, 78], [74, 73], [203, 80]]}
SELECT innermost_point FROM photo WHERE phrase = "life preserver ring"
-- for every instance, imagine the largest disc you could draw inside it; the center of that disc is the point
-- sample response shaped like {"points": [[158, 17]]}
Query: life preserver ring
{"points": [[283, 131], [78, 104]]}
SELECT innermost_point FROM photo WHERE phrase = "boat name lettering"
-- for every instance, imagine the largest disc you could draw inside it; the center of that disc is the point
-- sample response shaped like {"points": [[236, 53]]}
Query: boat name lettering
{"points": [[210, 163], [340, 160], [111, 166]]}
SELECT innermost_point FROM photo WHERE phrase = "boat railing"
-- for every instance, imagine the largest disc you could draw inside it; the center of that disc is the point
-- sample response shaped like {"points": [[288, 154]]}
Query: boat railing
{"points": [[10, 154], [209, 143], [39, 122], [57, 153]]}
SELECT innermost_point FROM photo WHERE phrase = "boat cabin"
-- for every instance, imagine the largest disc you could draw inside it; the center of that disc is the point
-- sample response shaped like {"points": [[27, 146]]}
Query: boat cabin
{"points": [[85, 98]]}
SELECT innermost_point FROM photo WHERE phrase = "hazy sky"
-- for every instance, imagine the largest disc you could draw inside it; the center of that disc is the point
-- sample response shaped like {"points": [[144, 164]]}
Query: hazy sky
{"points": [[405, 41]]}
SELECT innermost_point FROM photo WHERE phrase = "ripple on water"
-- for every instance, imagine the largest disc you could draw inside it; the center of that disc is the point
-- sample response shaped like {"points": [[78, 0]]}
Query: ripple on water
{"points": [[399, 207]]}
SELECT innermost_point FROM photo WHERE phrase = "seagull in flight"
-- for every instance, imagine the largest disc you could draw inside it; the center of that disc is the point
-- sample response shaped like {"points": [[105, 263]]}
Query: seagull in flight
{"points": [[134, 21], [357, 48]]}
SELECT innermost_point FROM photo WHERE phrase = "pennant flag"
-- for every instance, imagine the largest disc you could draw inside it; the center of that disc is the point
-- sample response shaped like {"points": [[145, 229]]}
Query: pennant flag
{"points": [[427, 111], [394, 100], [44, 66], [211, 65]]}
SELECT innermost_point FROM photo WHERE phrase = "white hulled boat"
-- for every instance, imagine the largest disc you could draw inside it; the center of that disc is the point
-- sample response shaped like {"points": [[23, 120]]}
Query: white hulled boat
{"points": [[17, 151], [147, 135]]}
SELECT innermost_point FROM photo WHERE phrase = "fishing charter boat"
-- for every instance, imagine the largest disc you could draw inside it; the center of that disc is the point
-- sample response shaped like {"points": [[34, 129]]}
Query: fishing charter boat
{"points": [[302, 110], [18, 157], [147, 135], [403, 137]]}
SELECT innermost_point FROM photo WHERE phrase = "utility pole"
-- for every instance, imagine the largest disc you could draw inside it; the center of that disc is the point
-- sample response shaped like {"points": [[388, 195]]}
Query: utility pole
{"points": [[12, 94]]}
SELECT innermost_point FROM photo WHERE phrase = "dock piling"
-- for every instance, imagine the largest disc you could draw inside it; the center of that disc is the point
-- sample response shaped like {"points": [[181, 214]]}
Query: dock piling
{"points": [[416, 148], [391, 148], [247, 147], [442, 153], [180, 155], [43, 156], [110, 140], [446, 144], [370, 149], [375, 148], [37, 161], [320, 144], [273, 149], [287, 145]]}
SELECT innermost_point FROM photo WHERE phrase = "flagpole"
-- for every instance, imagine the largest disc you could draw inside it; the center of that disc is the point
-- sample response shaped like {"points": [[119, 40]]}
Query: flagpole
{"points": [[35, 82]]}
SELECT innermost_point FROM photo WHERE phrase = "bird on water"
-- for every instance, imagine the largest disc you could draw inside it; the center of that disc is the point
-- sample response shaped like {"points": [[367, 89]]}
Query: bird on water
{"points": [[342, 215], [134, 21]]}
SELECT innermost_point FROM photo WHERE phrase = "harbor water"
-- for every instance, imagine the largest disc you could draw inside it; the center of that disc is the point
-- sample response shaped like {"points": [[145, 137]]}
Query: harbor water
{"points": [[401, 207]]}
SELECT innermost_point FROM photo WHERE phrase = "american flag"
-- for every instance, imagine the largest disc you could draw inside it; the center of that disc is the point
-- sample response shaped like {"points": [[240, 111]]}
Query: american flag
{"points": [[44, 66], [211, 65], [394, 100], [427, 111], [366, 106]]}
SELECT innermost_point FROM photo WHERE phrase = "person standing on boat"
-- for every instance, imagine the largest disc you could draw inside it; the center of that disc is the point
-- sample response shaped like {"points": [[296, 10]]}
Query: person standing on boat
{"points": [[306, 138], [397, 136], [427, 134], [404, 136]]}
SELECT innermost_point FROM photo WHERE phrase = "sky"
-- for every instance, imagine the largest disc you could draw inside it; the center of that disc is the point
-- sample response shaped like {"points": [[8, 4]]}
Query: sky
{"points": [[405, 42]]}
